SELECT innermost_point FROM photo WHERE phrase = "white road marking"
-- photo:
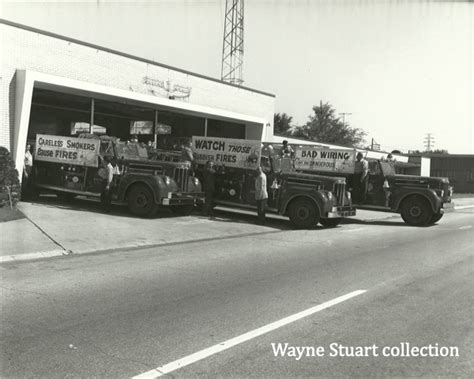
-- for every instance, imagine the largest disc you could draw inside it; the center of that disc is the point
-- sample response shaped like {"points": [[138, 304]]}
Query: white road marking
{"points": [[185, 361], [465, 227]]}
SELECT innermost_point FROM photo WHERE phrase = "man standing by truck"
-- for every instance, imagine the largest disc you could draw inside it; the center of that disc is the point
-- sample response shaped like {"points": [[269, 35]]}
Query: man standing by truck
{"points": [[261, 195], [106, 197], [209, 186], [361, 178]]}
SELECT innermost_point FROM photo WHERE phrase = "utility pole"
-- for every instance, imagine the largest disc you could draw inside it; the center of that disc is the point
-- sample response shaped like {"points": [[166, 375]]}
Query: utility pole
{"points": [[233, 42], [428, 141], [344, 114]]}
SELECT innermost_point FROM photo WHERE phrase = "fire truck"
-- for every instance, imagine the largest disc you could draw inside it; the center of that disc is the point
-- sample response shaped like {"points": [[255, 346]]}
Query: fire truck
{"points": [[69, 166], [421, 201], [307, 199]]}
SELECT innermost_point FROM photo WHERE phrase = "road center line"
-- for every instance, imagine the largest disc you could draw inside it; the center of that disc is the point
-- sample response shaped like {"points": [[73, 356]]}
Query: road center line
{"points": [[185, 361], [465, 227]]}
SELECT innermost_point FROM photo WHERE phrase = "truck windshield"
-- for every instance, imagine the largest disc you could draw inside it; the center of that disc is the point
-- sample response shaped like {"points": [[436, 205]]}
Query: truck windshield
{"points": [[131, 150]]}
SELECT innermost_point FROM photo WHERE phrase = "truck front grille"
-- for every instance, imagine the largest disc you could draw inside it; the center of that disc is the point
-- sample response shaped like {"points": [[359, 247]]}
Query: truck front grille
{"points": [[180, 176], [340, 192]]}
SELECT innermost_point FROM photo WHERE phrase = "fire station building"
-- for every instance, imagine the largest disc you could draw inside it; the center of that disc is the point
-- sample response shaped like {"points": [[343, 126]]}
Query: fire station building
{"points": [[52, 84]]}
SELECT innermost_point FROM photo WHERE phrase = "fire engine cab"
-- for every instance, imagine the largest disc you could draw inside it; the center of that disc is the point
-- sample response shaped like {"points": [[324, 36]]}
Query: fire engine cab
{"points": [[421, 201], [70, 166]]}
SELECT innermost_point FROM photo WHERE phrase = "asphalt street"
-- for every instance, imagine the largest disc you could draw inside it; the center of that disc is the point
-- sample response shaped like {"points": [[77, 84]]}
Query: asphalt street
{"points": [[122, 314]]}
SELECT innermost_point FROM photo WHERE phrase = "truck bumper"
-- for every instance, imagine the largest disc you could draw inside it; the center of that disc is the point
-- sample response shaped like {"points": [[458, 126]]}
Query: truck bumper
{"points": [[447, 207], [183, 198], [344, 211]]}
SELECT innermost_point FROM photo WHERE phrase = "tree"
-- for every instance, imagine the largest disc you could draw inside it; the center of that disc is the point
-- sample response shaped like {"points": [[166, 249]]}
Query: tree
{"points": [[439, 152], [282, 124], [429, 152], [324, 126], [9, 181]]}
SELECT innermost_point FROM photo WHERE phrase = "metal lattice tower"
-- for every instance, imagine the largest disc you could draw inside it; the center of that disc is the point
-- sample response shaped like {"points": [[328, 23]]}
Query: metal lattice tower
{"points": [[428, 142], [233, 42]]}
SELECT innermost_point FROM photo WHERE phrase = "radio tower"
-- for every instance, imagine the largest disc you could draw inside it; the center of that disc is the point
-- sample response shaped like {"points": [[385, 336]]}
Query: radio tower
{"points": [[428, 142], [233, 42]]}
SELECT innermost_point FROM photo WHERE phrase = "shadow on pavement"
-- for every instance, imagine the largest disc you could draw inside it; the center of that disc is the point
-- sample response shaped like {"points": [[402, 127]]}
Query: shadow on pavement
{"points": [[93, 205], [374, 222], [117, 210], [243, 218], [220, 215]]}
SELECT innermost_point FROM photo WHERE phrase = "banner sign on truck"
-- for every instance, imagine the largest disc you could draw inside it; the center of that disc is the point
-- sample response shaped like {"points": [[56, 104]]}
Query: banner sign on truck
{"points": [[321, 159], [68, 150], [226, 151]]}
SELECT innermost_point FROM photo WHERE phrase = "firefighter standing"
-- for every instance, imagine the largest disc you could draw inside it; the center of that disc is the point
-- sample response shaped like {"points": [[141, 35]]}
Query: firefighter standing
{"points": [[27, 172], [209, 186], [187, 153], [261, 195], [361, 178], [106, 196], [287, 151]]}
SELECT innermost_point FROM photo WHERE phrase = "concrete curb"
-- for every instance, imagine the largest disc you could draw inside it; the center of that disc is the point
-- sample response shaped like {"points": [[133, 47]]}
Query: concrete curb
{"points": [[463, 207], [33, 256], [132, 247]]}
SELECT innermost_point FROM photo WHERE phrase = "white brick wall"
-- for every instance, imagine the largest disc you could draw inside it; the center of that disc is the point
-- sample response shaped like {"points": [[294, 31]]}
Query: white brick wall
{"points": [[29, 50]]}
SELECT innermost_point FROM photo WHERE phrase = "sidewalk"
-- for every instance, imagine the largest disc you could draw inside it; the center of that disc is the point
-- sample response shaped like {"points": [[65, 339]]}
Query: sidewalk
{"points": [[54, 228]]}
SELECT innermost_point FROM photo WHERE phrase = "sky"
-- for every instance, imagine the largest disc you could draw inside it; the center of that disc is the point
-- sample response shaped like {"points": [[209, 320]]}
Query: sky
{"points": [[401, 68]]}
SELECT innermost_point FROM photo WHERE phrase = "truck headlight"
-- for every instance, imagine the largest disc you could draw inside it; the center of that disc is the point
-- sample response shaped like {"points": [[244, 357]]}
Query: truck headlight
{"points": [[167, 180], [348, 195], [329, 195], [196, 181]]}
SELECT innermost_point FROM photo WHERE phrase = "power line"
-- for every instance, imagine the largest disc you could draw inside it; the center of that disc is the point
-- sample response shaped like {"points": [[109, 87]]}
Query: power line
{"points": [[343, 114]]}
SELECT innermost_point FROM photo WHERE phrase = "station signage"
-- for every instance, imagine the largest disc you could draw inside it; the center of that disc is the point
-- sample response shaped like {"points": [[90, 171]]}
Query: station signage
{"points": [[322, 159], [227, 151], [67, 150], [169, 88]]}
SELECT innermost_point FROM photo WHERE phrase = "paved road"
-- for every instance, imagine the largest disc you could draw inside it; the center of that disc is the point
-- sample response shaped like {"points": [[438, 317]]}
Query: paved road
{"points": [[125, 313]]}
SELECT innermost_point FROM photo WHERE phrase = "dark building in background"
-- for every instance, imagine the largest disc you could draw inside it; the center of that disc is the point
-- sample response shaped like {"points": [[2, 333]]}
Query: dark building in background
{"points": [[459, 168]]}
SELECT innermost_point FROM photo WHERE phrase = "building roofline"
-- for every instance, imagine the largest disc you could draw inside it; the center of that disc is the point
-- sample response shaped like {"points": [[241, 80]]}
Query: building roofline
{"points": [[441, 155], [451, 155], [126, 55]]}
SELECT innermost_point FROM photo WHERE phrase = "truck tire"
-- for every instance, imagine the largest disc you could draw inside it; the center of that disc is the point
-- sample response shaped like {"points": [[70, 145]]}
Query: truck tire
{"points": [[303, 213], [435, 218], [141, 201], [182, 210], [416, 211], [330, 222]]}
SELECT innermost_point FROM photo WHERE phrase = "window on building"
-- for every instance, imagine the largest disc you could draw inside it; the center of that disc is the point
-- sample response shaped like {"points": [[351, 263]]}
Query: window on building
{"points": [[56, 113], [225, 129], [124, 120]]}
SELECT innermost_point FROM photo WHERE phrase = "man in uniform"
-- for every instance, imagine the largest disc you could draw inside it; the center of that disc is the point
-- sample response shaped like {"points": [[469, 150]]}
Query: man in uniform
{"points": [[287, 150], [361, 178], [209, 187], [187, 152], [261, 195], [106, 196], [27, 172]]}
